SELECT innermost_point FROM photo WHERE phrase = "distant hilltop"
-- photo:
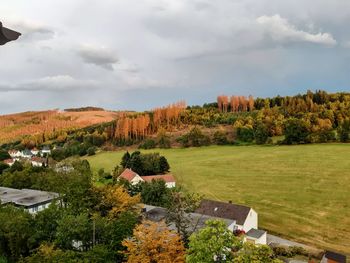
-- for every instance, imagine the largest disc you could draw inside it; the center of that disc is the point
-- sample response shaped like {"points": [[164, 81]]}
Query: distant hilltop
{"points": [[88, 108]]}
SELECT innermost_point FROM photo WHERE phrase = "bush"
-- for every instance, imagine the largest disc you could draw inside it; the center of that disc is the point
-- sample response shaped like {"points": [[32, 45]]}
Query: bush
{"points": [[148, 144], [296, 131], [261, 134], [194, 138], [91, 151], [245, 134], [220, 138]]}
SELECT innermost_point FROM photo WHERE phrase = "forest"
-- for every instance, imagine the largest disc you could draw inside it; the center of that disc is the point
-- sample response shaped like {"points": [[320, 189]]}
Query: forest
{"points": [[314, 117]]}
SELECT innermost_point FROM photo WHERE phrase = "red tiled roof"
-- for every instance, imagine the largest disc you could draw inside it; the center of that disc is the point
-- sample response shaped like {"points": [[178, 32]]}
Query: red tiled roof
{"points": [[128, 174], [12, 151], [37, 159], [8, 161], [168, 178]]}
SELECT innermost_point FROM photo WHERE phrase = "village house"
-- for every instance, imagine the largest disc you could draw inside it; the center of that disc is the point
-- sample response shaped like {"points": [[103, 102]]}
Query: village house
{"points": [[333, 257], [256, 236], [37, 161], [27, 154], [134, 178], [35, 151], [31, 200], [246, 218], [15, 154], [45, 151], [195, 221], [9, 162]]}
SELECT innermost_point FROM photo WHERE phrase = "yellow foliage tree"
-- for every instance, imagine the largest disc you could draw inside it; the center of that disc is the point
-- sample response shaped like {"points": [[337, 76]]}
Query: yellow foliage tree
{"points": [[154, 242], [117, 200]]}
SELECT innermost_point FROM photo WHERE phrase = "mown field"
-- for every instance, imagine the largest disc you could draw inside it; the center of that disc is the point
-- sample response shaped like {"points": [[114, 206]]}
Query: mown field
{"points": [[300, 192]]}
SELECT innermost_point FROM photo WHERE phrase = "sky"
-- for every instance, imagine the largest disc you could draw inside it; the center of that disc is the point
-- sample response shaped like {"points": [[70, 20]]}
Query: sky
{"points": [[140, 54]]}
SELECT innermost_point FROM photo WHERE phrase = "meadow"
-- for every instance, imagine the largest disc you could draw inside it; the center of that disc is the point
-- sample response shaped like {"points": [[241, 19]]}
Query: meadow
{"points": [[300, 192]]}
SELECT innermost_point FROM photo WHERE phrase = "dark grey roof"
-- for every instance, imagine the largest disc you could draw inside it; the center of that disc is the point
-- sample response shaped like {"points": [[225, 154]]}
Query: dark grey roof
{"points": [[27, 152], [197, 221], [335, 257], [239, 213], [25, 197], [255, 233]]}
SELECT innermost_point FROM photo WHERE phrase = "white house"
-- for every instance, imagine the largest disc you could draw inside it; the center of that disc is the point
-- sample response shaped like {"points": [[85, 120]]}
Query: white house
{"points": [[15, 154], [246, 218], [131, 176], [134, 178], [34, 151], [37, 161], [256, 236], [31, 200], [168, 178], [195, 221], [45, 150], [27, 154]]}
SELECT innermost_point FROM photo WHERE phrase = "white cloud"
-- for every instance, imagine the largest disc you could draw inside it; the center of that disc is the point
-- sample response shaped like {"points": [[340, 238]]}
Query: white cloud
{"points": [[280, 30], [30, 30]]}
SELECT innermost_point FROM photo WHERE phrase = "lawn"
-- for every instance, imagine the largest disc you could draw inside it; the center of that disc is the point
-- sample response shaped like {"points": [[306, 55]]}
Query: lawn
{"points": [[300, 192]]}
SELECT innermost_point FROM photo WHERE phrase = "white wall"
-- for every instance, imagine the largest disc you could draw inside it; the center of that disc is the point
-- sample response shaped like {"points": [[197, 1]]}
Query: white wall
{"points": [[251, 221], [37, 209], [170, 184], [137, 179]]}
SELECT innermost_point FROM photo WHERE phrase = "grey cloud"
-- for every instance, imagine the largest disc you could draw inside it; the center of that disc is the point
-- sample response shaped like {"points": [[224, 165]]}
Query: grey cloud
{"points": [[98, 56], [50, 83]]}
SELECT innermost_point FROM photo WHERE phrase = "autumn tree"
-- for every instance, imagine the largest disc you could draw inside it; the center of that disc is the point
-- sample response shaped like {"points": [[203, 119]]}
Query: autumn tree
{"points": [[154, 242], [116, 200]]}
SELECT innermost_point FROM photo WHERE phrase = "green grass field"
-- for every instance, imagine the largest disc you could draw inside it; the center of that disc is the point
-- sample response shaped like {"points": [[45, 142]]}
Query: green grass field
{"points": [[300, 192]]}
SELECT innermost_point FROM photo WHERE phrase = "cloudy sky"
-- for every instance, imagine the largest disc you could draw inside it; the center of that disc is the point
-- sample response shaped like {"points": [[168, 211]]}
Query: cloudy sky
{"points": [[138, 54]]}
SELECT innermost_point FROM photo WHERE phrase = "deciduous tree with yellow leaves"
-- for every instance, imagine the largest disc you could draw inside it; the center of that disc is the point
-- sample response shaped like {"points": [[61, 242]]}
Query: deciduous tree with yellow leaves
{"points": [[154, 242]]}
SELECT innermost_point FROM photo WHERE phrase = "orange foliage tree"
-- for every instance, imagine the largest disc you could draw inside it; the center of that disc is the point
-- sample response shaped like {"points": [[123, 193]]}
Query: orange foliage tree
{"points": [[154, 242], [236, 103], [140, 126]]}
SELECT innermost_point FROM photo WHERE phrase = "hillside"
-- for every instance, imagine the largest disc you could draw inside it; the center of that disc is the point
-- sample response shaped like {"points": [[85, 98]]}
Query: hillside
{"points": [[45, 123]]}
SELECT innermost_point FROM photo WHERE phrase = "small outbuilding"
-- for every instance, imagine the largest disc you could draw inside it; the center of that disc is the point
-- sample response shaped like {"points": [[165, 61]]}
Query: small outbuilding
{"points": [[333, 257]]}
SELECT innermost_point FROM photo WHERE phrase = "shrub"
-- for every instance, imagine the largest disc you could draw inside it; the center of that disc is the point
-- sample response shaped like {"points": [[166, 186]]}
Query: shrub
{"points": [[220, 138], [194, 138], [91, 151], [245, 134], [148, 144]]}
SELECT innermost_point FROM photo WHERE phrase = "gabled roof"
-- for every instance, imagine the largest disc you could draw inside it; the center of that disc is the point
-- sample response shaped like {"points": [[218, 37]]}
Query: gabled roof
{"points": [[336, 257], [224, 210], [37, 159], [8, 161], [168, 178], [255, 233], [128, 174]]}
